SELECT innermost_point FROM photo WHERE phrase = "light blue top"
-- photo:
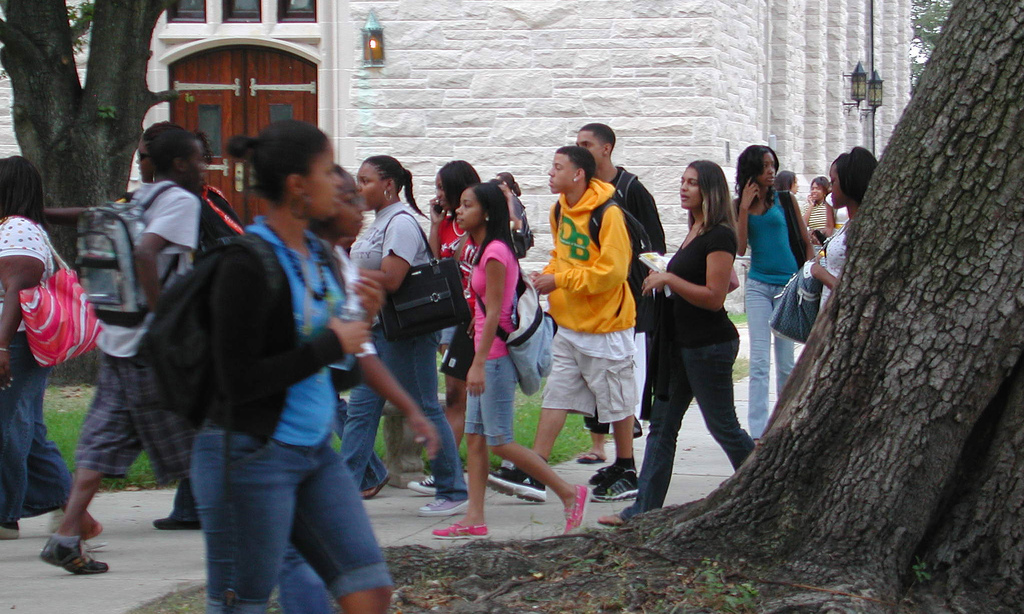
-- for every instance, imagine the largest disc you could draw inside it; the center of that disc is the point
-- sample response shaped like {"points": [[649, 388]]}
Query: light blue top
{"points": [[771, 260], [309, 405]]}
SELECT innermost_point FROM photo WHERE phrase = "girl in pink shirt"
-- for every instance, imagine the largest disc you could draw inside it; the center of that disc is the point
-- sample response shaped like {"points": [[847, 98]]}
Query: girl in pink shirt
{"points": [[491, 381]]}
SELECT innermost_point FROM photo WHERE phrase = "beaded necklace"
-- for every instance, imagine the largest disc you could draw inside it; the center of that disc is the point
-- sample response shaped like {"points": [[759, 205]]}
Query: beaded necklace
{"points": [[299, 269]]}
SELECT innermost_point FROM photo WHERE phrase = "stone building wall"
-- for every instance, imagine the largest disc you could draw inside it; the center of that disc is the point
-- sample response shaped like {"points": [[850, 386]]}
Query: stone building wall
{"points": [[503, 84]]}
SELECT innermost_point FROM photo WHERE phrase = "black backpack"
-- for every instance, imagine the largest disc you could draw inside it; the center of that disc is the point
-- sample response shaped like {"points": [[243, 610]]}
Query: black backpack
{"points": [[178, 342], [640, 242]]}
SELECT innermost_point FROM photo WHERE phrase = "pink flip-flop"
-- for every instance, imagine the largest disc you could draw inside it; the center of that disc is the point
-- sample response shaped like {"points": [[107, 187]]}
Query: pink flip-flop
{"points": [[458, 531]]}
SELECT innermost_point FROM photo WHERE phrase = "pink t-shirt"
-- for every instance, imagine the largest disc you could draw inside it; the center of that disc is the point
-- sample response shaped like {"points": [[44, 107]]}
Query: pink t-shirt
{"points": [[496, 250]]}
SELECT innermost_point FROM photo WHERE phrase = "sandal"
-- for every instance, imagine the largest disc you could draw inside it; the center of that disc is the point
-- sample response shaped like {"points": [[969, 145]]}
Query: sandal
{"points": [[590, 458], [611, 521]]}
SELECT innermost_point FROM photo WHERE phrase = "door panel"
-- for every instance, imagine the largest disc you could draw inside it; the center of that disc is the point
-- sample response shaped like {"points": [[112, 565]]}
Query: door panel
{"points": [[241, 90]]}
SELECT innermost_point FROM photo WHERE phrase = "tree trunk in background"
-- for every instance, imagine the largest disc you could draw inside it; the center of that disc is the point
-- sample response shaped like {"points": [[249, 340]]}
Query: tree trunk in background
{"points": [[80, 137], [898, 439]]}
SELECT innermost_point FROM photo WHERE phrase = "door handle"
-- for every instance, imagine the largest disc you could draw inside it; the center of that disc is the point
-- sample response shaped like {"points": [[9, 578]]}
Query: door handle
{"points": [[223, 168], [239, 177]]}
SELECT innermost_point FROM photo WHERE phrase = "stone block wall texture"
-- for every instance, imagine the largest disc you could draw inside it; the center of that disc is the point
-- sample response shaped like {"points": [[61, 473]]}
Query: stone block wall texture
{"points": [[503, 84]]}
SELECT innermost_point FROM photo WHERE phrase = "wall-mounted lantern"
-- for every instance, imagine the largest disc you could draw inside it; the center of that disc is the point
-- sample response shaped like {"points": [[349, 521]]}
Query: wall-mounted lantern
{"points": [[875, 90], [859, 83], [373, 42]]}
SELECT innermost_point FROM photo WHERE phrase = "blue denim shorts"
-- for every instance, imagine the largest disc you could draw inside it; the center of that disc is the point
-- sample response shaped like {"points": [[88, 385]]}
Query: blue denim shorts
{"points": [[447, 334], [274, 494], [491, 414]]}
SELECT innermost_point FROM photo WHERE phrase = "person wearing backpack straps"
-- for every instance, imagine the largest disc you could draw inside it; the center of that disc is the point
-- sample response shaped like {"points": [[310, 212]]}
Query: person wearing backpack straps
{"points": [[126, 415], [388, 248], [264, 473], [630, 193], [491, 380], [592, 304]]}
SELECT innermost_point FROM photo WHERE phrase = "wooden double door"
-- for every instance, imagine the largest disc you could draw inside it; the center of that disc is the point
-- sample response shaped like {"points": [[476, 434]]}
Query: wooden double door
{"points": [[240, 90]]}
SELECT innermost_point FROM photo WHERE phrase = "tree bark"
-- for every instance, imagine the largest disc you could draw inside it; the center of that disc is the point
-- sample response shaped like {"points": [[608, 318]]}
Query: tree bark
{"points": [[80, 137], [896, 436]]}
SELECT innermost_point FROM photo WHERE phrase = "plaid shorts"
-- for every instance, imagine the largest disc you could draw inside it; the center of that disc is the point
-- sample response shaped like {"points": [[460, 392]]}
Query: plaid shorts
{"points": [[126, 418]]}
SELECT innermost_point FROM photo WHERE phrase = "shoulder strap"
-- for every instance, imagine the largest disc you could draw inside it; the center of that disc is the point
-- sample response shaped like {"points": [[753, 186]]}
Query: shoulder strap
{"points": [[150, 198], [625, 182], [418, 227], [597, 218]]}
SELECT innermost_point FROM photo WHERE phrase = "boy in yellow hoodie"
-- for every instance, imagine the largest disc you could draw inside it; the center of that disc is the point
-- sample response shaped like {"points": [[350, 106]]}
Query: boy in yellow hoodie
{"points": [[593, 350]]}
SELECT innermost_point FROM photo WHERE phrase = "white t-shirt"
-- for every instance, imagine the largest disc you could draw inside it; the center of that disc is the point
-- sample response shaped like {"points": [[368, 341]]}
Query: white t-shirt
{"points": [[835, 259], [404, 238], [20, 236], [173, 216], [350, 275]]}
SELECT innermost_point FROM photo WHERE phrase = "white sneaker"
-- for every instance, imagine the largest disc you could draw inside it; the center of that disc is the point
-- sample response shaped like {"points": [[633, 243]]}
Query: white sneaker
{"points": [[424, 487], [444, 507]]}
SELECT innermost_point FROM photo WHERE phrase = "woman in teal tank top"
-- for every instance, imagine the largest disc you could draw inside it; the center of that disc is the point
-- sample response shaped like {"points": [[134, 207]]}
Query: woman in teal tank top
{"points": [[761, 226]]}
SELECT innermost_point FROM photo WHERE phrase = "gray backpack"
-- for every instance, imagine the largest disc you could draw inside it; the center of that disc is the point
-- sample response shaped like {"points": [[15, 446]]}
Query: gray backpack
{"points": [[107, 236]]}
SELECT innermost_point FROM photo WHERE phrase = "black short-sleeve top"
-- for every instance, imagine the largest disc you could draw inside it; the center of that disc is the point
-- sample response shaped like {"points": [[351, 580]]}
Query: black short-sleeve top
{"points": [[695, 326]]}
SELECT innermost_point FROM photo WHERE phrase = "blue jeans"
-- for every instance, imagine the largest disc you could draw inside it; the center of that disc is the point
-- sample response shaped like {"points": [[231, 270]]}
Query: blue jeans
{"points": [[301, 590], [492, 414], [271, 495], [376, 472], [33, 477], [184, 509], [704, 373], [760, 300], [413, 363]]}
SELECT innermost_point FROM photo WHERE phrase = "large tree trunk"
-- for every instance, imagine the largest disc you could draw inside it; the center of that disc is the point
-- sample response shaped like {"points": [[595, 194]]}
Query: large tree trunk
{"points": [[895, 437], [81, 138], [895, 450]]}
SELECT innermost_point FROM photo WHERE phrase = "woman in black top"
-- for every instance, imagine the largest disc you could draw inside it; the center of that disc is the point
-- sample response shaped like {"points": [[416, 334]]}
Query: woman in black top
{"points": [[694, 344]]}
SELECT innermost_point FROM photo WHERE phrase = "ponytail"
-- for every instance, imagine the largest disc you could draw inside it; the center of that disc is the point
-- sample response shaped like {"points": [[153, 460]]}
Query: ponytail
{"points": [[390, 168], [282, 148]]}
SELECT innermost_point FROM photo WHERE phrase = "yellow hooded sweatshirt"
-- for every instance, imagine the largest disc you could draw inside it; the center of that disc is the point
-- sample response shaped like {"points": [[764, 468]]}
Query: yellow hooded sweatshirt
{"points": [[591, 294]]}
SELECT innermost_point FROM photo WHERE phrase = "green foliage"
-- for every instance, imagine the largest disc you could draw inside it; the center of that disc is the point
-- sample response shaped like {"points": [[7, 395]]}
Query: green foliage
{"points": [[106, 112], [921, 573], [929, 16], [80, 17], [710, 587]]}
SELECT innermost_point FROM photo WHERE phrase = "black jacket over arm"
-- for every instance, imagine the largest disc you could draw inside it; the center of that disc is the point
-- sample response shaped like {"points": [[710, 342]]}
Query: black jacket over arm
{"points": [[256, 355]]}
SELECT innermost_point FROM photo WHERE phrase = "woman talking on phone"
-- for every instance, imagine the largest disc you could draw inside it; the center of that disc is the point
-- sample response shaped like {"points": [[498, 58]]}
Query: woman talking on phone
{"points": [[773, 229]]}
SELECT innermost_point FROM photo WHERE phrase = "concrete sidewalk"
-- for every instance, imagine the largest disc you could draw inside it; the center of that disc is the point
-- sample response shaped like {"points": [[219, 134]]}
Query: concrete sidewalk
{"points": [[146, 564]]}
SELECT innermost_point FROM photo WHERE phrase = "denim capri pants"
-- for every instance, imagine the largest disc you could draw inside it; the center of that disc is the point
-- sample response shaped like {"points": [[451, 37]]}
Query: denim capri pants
{"points": [[491, 414], [274, 495]]}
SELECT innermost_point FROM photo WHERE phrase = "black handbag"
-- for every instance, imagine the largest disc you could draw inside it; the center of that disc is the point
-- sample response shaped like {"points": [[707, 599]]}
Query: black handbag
{"points": [[430, 299], [458, 358]]}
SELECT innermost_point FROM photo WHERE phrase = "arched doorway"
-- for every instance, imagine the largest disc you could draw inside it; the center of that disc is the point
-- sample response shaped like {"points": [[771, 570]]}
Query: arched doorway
{"points": [[240, 90]]}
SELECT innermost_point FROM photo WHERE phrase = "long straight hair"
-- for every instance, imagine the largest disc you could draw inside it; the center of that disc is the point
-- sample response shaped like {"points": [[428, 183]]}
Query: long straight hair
{"points": [[495, 206], [716, 204]]}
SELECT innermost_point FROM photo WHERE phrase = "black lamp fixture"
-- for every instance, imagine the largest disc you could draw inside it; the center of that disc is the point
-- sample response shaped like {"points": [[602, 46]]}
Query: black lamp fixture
{"points": [[373, 42], [875, 90], [859, 83]]}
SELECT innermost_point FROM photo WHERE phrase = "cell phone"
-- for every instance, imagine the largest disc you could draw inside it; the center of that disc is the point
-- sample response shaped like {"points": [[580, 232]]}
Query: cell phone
{"points": [[438, 210]]}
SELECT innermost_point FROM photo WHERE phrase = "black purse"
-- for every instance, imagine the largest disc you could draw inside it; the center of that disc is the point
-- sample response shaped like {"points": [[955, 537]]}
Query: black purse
{"points": [[430, 299], [458, 358]]}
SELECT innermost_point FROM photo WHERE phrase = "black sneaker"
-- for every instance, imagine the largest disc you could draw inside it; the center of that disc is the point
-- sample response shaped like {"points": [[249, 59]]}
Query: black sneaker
{"points": [[618, 486], [603, 473], [515, 483], [71, 558]]}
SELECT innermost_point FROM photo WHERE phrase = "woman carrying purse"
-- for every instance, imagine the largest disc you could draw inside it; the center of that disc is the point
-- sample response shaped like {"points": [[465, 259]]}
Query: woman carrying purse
{"points": [[390, 246]]}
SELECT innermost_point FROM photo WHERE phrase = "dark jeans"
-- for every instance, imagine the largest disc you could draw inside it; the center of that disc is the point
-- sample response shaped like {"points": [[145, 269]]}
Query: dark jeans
{"points": [[184, 503], [704, 373]]}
